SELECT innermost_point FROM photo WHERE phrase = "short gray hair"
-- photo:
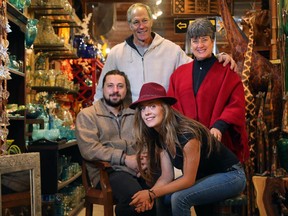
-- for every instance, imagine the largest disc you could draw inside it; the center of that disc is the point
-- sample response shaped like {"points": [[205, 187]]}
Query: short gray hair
{"points": [[132, 7], [201, 27]]}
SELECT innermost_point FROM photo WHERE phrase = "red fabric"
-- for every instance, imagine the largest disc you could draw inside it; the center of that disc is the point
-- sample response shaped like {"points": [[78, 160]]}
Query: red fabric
{"points": [[220, 97]]}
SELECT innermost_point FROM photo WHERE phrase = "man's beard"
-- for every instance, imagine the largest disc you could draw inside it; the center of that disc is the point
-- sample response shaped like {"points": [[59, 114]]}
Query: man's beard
{"points": [[112, 103]]}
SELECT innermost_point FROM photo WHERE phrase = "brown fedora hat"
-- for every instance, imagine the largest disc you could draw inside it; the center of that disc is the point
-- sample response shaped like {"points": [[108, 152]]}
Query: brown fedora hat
{"points": [[152, 91]]}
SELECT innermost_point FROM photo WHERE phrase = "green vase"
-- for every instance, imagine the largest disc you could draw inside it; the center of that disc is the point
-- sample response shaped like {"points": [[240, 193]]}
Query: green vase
{"points": [[282, 146], [31, 32]]}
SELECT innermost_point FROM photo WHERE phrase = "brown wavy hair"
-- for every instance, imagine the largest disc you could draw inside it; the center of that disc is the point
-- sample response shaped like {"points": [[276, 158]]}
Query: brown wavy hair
{"points": [[174, 123]]}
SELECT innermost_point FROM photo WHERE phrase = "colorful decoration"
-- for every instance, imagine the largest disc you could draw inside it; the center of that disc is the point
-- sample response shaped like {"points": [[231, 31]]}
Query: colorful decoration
{"points": [[67, 69], [4, 76], [86, 74], [84, 25]]}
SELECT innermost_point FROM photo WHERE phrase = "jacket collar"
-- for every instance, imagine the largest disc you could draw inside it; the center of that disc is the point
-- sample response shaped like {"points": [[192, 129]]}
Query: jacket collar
{"points": [[102, 110], [157, 39]]}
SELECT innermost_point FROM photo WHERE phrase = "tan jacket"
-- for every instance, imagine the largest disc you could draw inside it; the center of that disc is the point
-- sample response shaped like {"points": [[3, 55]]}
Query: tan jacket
{"points": [[103, 136]]}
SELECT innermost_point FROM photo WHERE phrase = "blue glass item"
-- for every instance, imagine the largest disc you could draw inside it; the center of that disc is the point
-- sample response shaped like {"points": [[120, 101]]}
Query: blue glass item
{"points": [[14, 2], [51, 122], [31, 32], [59, 205], [76, 41], [90, 51], [81, 51], [27, 3], [282, 146], [20, 4], [71, 134], [13, 62]]}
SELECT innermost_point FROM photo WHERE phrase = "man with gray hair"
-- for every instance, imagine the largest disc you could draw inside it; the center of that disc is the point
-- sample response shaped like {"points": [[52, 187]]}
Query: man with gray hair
{"points": [[145, 56]]}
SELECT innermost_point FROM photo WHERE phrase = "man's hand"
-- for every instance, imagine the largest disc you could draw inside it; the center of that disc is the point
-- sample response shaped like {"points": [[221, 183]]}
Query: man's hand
{"points": [[131, 162], [226, 59], [144, 160]]}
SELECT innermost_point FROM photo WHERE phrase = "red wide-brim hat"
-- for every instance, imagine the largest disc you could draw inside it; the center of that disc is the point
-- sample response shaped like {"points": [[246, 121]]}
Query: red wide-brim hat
{"points": [[152, 91]]}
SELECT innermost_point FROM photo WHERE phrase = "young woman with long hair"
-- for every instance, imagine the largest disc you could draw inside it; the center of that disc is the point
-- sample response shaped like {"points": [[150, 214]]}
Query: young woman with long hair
{"points": [[211, 172]]}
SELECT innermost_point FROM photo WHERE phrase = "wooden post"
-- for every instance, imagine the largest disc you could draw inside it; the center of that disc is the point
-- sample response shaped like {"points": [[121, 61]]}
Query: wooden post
{"points": [[273, 49]]}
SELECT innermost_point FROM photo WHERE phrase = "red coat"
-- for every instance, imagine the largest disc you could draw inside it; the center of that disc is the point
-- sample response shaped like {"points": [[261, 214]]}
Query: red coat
{"points": [[220, 97]]}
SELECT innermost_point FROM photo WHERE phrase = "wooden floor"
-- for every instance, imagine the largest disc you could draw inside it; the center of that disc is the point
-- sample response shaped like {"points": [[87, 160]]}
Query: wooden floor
{"points": [[97, 211]]}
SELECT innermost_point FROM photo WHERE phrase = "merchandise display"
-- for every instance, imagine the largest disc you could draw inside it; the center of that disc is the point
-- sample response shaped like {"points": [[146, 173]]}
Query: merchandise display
{"points": [[50, 63]]}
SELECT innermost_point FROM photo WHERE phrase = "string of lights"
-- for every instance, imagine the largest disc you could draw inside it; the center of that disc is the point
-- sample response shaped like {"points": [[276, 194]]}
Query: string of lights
{"points": [[156, 10]]}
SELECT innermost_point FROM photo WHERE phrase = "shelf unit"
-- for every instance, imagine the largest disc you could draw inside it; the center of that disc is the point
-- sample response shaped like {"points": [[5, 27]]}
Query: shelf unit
{"points": [[64, 17], [49, 154], [16, 85], [55, 89], [16, 16], [60, 19], [49, 150]]}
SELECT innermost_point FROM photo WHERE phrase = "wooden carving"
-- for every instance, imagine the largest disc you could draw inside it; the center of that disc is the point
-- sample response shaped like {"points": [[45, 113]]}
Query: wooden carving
{"points": [[270, 194], [261, 27], [260, 70]]}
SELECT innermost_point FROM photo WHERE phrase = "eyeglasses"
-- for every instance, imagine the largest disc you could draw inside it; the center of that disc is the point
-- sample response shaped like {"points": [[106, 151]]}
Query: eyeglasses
{"points": [[137, 23]]}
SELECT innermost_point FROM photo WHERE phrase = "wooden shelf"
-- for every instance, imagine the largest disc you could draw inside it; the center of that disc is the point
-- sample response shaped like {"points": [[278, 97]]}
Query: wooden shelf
{"points": [[63, 55], [57, 145], [16, 118], [77, 209], [46, 7], [55, 89], [58, 51], [58, 14], [67, 144], [48, 10], [61, 24], [16, 16], [50, 47], [17, 72], [67, 182]]}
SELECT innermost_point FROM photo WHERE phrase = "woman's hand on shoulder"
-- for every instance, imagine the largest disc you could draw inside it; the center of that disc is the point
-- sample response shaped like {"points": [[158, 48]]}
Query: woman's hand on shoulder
{"points": [[226, 59], [216, 133]]}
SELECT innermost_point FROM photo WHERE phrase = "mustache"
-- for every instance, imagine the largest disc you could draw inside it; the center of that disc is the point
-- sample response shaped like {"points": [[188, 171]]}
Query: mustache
{"points": [[115, 94]]}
